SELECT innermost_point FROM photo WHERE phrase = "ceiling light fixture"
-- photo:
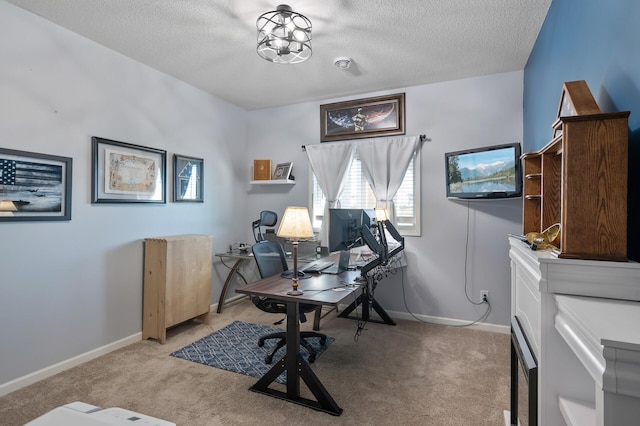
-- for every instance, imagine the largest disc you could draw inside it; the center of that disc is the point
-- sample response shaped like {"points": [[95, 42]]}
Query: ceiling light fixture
{"points": [[284, 36], [342, 62]]}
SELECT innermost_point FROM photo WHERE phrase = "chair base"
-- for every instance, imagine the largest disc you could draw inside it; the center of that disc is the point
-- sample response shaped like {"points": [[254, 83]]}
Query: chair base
{"points": [[283, 341]]}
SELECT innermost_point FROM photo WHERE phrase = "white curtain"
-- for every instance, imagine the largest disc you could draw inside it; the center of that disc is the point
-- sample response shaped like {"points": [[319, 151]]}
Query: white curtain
{"points": [[384, 164], [330, 163]]}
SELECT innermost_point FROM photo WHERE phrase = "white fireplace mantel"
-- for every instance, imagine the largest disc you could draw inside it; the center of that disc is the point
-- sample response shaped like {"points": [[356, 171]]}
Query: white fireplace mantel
{"points": [[582, 320]]}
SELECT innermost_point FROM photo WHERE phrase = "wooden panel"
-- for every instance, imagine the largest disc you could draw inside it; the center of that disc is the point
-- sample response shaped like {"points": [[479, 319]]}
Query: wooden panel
{"points": [[154, 289], [177, 282], [532, 193], [551, 188], [189, 271], [595, 201], [576, 99]]}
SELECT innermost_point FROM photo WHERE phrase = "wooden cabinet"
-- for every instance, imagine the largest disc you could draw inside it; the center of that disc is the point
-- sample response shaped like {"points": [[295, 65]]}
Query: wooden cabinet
{"points": [[177, 282], [579, 179]]}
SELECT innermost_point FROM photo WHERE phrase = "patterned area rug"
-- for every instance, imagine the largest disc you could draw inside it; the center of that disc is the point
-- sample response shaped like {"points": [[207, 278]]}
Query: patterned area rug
{"points": [[235, 348]]}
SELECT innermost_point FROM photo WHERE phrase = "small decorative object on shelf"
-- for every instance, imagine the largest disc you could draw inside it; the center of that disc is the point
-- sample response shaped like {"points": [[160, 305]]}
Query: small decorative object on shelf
{"points": [[261, 169], [543, 240]]}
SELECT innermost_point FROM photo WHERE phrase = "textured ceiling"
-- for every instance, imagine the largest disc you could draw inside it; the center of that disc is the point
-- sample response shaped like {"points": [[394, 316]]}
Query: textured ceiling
{"points": [[211, 44]]}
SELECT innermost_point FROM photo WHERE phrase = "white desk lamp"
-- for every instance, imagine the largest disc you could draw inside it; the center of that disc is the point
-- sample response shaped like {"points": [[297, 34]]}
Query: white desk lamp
{"points": [[295, 224]]}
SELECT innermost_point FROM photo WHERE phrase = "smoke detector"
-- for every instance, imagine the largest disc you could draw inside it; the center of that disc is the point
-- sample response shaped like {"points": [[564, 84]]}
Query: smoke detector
{"points": [[342, 62]]}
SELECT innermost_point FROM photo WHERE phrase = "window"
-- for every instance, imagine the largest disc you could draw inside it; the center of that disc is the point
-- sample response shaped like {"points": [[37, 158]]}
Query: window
{"points": [[357, 194]]}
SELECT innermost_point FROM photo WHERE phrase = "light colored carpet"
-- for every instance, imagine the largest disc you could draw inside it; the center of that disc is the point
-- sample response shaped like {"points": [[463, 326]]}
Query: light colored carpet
{"points": [[409, 374]]}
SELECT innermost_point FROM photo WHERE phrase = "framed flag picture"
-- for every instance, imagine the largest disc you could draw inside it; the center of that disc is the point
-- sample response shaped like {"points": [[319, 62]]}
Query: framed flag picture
{"points": [[188, 181], [34, 186]]}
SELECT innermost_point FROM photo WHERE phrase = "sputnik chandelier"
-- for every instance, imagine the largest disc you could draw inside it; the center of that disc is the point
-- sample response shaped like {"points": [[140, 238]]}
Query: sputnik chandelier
{"points": [[284, 36]]}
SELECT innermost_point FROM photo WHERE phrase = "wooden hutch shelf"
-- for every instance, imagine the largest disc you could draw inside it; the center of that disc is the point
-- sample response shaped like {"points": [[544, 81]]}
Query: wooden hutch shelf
{"points": [[579, 179]]}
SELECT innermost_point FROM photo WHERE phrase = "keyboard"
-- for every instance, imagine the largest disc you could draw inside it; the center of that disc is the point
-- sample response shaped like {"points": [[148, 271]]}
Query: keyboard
{"points": [[317, 266]]}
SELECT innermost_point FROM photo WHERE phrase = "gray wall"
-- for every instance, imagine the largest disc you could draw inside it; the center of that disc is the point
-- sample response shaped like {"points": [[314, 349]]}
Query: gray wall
{"points": [[69, 288], [455, 115]]}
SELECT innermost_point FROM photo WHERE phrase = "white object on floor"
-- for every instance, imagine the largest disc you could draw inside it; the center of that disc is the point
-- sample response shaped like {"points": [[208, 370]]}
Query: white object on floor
{"points": [[82, 414]]}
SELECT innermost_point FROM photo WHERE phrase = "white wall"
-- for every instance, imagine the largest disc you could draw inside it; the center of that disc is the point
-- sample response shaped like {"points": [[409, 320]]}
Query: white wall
{"points": [[455, 115], [70, 287]]}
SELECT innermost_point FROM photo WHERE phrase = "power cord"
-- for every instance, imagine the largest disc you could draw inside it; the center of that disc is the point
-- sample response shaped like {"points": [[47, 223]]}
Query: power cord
{"points": [[485, 300], [466, 261]]}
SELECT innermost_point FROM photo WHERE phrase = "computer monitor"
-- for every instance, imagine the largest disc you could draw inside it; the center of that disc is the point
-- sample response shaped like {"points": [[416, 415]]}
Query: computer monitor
{"points": [[345, 228]]}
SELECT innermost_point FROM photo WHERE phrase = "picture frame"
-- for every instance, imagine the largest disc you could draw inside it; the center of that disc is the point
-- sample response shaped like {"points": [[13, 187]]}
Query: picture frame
{"points": [[282, 171], [363, 118], [261, 169], [127, 173], [34, 186], [188, 179]]}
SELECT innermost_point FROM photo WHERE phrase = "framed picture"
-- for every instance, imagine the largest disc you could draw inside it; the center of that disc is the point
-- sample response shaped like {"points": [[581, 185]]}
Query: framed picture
{"points": [[261, 169], [34, 186], [188, 183], [127, 173], [283, 171], [362, 118]]}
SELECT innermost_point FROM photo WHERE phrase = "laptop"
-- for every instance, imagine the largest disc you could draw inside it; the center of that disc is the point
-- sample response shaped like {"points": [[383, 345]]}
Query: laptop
{"points": [[341, 266]]}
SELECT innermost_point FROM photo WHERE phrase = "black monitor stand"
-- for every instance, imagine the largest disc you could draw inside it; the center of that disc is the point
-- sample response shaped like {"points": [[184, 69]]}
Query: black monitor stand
{"points": [[366, 298], [367, 301], [381, 248]]}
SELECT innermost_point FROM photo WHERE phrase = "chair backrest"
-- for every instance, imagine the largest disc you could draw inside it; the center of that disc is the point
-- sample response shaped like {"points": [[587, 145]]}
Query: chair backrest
{"points": [[270, 258], [267, 218]]}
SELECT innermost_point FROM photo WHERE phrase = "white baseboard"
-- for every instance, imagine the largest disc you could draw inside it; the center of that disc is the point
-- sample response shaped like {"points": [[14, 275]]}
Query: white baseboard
{"points": [[496, 328], [46, 372], [36, 376]]}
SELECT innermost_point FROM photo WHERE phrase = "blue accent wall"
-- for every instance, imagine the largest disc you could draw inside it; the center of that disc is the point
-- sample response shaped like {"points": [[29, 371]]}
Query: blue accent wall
{"points": [[599, 42]]}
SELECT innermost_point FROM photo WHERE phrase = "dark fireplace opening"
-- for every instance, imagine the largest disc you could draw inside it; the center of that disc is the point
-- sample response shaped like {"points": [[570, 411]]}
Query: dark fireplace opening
{"points": [[524, 379]]}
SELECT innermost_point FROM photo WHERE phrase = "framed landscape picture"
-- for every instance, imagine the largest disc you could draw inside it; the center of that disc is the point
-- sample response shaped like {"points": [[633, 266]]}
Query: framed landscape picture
{"points": [[127, 173], [34, 186], [188, 182], [362, 118]]}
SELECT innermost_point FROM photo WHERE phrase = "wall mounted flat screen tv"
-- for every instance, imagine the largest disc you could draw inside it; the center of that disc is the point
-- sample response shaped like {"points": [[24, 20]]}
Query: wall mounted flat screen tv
{"points": [[489, 172]]}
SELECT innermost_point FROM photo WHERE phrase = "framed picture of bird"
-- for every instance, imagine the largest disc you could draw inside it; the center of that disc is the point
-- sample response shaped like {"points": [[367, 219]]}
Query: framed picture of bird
{"points": [[362, 118]]}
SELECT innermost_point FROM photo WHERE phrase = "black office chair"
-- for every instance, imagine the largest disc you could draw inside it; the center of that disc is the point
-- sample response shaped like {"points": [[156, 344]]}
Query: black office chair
{"points": [[267, 218], [271, 260]]}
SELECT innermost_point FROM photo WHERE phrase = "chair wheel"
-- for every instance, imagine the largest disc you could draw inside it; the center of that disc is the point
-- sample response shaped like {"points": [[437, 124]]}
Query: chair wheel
{"points": [[312, 358], [260, 343], [323, 340], [268, 359]]}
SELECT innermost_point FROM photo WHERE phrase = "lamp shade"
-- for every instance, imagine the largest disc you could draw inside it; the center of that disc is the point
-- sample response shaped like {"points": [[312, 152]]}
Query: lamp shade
{"points": [[295, 223], [381, 215], [7, 208]]}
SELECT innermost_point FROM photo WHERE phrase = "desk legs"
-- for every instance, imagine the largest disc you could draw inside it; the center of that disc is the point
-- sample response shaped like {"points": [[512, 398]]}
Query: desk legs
{"points": [[234, 270], [367, 301], [297, 368]]}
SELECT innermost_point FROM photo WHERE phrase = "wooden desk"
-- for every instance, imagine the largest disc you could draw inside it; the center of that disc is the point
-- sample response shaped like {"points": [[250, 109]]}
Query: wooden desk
{"points": [[240, 258], [318, 290]]}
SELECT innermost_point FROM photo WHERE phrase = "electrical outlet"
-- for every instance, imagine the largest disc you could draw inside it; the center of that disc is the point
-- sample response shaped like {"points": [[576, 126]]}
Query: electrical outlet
{"points": [[484, 295]]}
